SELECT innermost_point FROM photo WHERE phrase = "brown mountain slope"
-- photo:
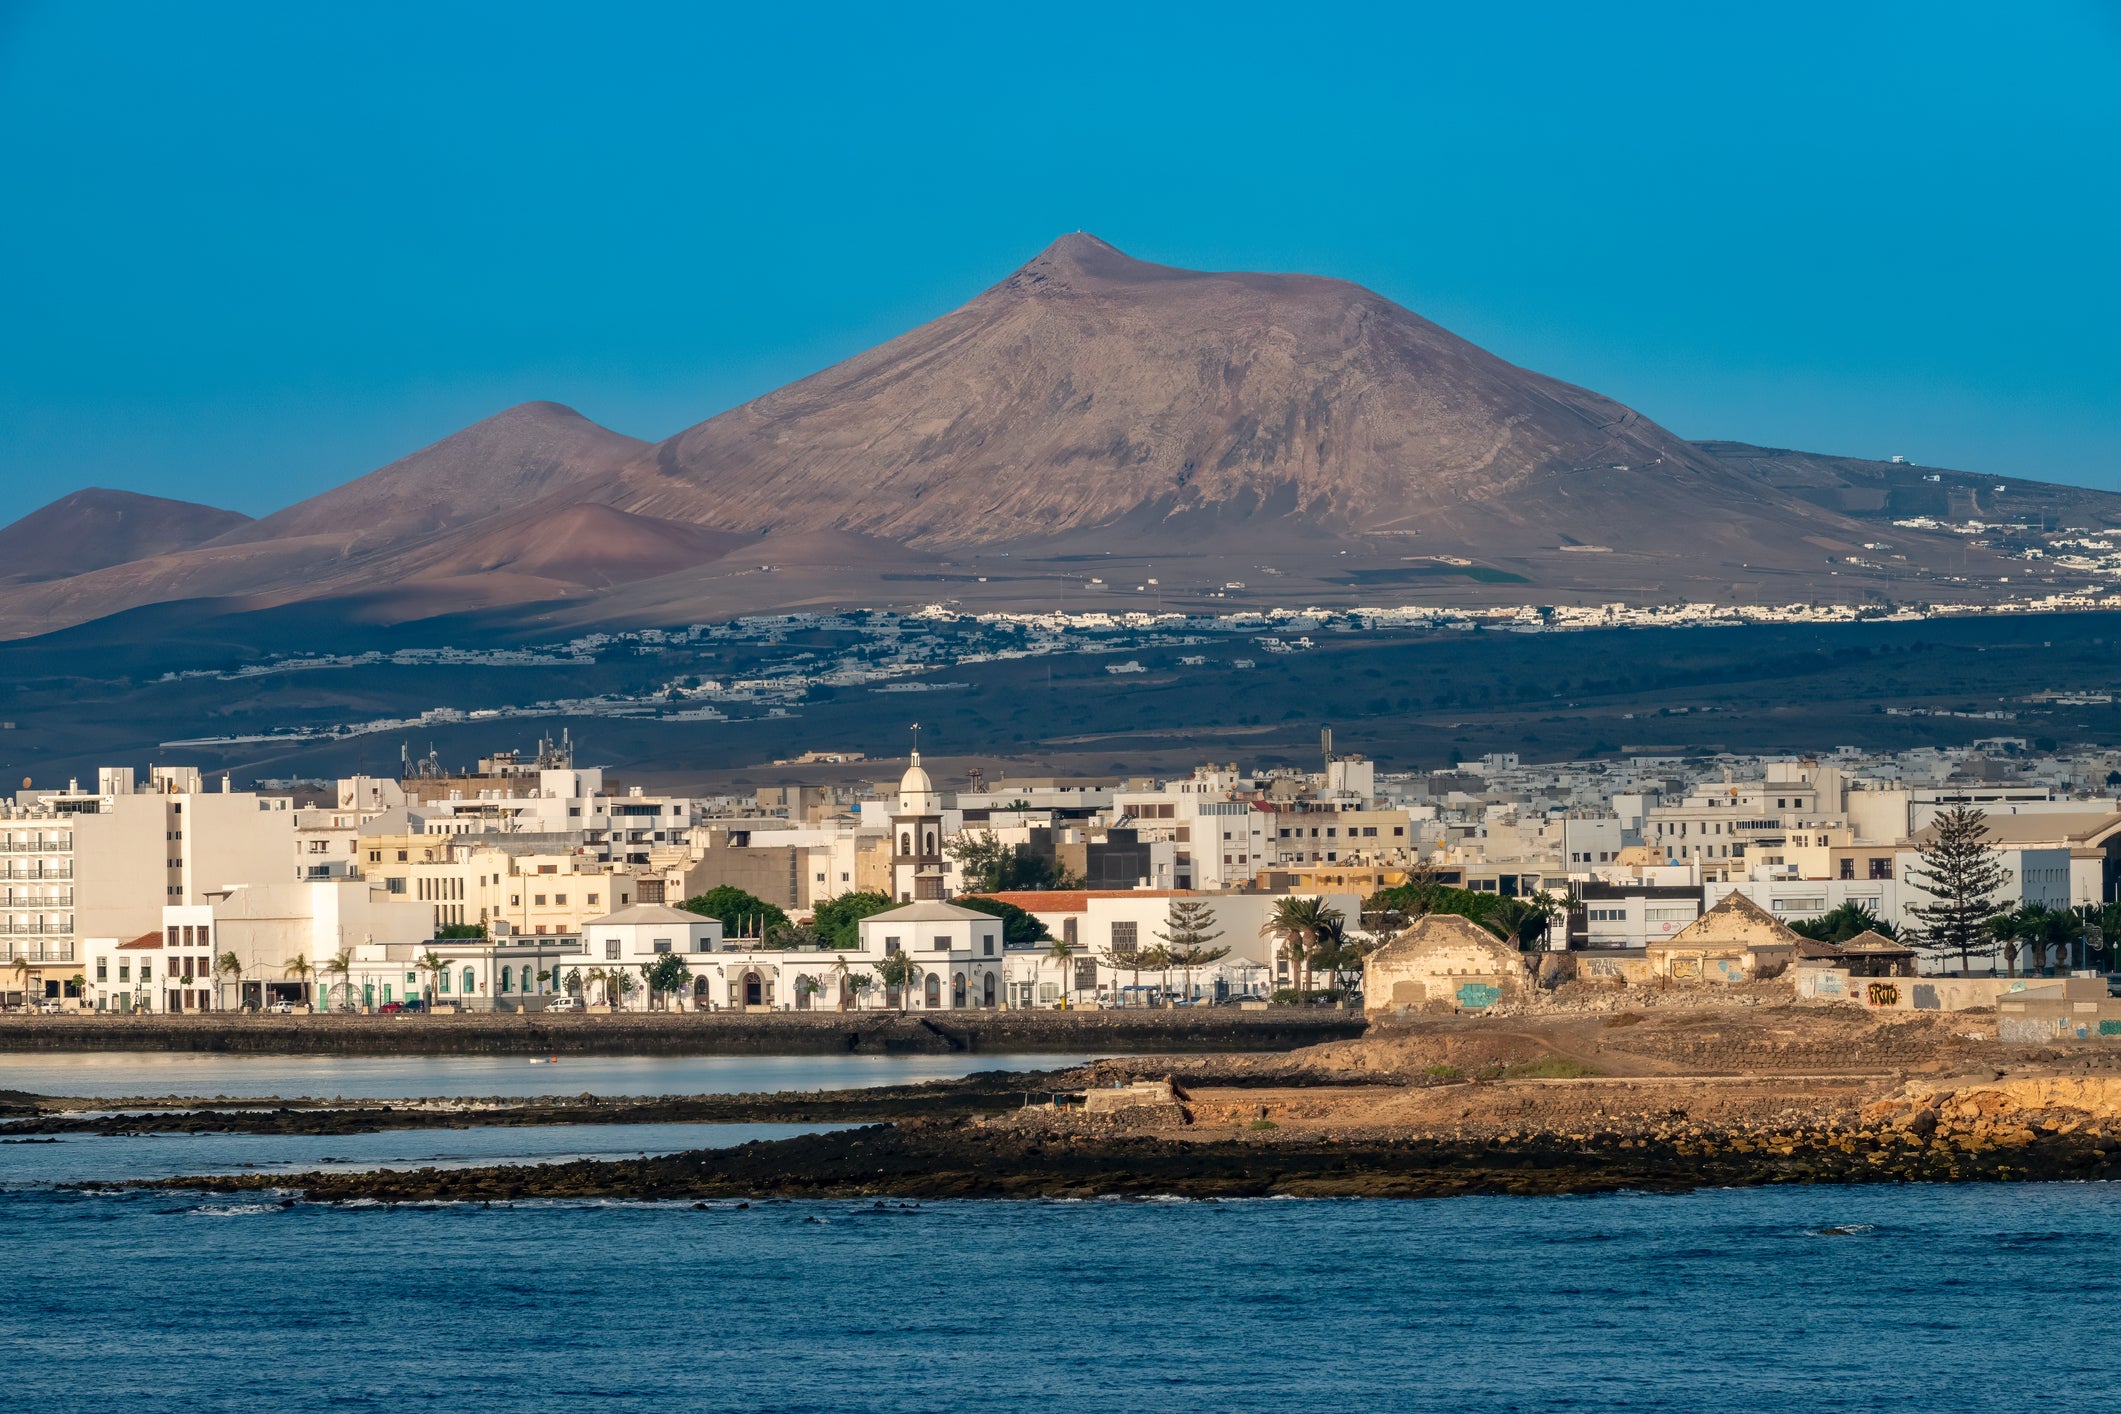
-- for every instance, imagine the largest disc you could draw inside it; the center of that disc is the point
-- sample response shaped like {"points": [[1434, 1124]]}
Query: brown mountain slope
{"points": [[522, 454], [95, 527], [369, 534], [1092, 391]]}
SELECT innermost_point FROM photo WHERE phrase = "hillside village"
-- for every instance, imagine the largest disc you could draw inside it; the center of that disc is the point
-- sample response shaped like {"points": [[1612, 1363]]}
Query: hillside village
{"points": [[530, 882]]}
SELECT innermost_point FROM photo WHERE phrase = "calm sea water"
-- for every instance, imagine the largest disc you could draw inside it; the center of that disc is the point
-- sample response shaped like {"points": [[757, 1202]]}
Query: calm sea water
{"points": [[401, 1077], [87, 1158], [1928, 1298]]}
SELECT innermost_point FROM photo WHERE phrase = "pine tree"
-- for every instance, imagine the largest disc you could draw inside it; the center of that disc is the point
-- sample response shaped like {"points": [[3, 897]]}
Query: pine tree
{"points": [[1961, 874], [1186, 942]]}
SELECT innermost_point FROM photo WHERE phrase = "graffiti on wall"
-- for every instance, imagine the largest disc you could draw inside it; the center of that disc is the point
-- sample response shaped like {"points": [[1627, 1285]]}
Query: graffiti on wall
{"points": [[1475, 995], [1882, 994]]}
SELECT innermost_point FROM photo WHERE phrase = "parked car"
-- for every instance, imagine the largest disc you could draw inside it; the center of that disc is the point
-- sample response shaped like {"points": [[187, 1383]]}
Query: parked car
{"points": [[564, 1004], [52, 1008], [410, 1006], [282, 1008]]}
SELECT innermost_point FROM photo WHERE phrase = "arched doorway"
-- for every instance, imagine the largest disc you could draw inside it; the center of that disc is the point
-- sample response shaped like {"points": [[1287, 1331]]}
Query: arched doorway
{"points": [[754, 990], [935, 990], [989, 990], [957, 991], [699, 992]]}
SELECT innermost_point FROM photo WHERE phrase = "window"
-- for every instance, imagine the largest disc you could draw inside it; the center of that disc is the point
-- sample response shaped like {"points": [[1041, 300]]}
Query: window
{"points": [[1125, 936], [102, 969], [401, 856], [538, 899], [559, 898], [1848, 868], [592, 898], [375, 856], [890, 946], [515, 900], [611, 949], [942, 945], [662, 945], [987, 944], [1068, 930], [1670, 913], [1882, 869], [469, 985]]}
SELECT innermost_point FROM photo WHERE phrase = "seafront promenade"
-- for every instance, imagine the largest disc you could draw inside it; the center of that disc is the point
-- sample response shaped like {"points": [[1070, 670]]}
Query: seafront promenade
{"points": [[1205, 1029]]}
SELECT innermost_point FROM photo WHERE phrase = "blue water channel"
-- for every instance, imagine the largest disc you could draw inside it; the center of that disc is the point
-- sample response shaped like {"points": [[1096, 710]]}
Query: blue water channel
{"points": [[1983, 1297]]}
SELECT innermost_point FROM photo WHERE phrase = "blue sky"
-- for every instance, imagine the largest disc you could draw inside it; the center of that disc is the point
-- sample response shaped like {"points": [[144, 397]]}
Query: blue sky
{"points": [[255, 250]]}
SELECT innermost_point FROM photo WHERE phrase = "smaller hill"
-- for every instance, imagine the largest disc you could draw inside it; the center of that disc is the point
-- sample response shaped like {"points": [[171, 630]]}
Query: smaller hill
{"points": [[96, 528]]}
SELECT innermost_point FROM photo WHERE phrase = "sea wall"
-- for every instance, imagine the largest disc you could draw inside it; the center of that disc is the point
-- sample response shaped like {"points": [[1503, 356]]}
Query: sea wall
{"points": [[693, 1033]]}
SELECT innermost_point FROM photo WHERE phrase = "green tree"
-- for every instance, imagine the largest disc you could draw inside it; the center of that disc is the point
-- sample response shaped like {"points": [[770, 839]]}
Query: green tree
{"points": [[1189, 928], [341, 967], [1842, 922], [461, 930], [1157, 958], [1341, 954], [298, 968], [1523, 922], [1019, 926], [985, 865], [230, 966], [1961, 874], [434, 965], [1062, 951], [858, 985], [899, 972], [1298, 923], [573, 982], [1127, 958], [838, 920], [743, 914], [668, 973]]}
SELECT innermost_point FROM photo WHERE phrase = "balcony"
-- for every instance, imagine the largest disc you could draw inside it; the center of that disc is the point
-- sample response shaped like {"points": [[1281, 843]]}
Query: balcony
{"points": [[36, 952]]}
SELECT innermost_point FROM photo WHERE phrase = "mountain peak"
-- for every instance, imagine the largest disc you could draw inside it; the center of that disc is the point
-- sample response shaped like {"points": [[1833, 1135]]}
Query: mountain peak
{"points": [[1080, 258]]}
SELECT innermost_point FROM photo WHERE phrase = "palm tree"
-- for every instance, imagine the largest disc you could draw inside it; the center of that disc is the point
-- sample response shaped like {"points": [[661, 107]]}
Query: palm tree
{"points": [[1061, 951], [20, 967], [340, 967], [858, 983], [839, 966], [1299, 923], [2002, 929], [1520, 920], [230, 966], [434, 965], [298, 968]]}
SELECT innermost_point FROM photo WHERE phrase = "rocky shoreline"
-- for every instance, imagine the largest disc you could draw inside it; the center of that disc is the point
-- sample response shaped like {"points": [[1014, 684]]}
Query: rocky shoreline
{"points": [[934, 1159], [1661, 1102]]}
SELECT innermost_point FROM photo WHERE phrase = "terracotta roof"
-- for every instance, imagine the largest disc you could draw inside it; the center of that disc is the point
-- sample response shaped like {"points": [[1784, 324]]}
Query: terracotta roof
{"points": [[1074, 900], [142, 943]]}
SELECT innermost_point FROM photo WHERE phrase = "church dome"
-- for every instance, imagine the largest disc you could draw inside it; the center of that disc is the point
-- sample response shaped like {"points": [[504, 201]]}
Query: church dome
{"points": [[916, 793]]}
